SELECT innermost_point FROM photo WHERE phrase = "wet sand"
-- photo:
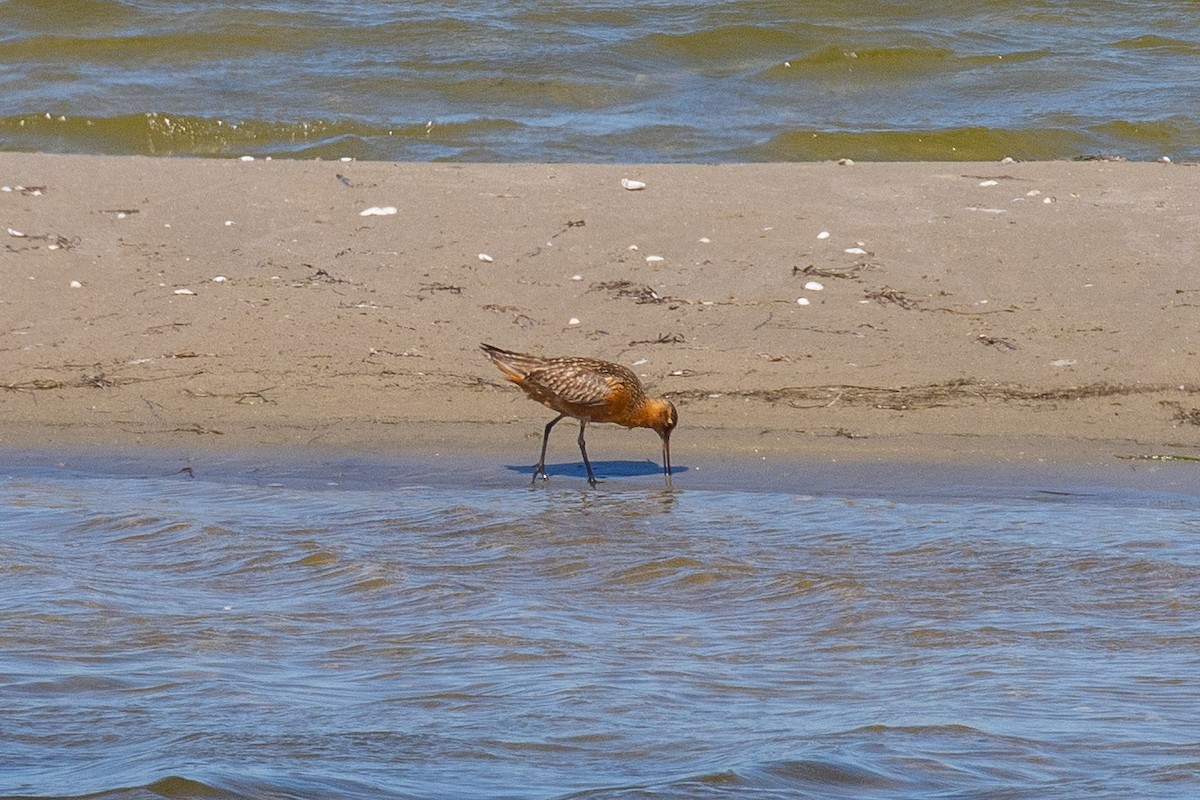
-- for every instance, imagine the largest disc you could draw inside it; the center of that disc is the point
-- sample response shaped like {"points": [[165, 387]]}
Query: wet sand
{"points": [[970, 313]]}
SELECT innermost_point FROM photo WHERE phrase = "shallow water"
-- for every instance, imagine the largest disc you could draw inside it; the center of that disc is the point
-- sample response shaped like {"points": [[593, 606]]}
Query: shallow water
{"points": [[425, 630], [637, 81]]}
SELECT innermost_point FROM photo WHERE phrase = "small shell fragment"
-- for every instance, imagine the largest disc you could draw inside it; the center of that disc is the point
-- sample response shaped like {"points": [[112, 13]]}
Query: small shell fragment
{"points": [[989, 182], [378, 211], [576, 277], [485, 258], [856, 251], [16, 233], [814, 286], [802, 301], [705, 240], [1063, 362], [573, 321], [76, 285], [654, 259], [184, 291], [220, 279], [632, 185], [823, 235]]}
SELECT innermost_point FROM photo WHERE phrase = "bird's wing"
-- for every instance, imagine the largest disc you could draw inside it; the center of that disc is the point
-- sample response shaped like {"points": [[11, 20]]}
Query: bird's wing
{"points": [[576, 384]]}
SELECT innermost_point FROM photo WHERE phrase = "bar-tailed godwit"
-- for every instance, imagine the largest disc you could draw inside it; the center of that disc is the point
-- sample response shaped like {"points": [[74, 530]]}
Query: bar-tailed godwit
{"points": [[590, 390]]}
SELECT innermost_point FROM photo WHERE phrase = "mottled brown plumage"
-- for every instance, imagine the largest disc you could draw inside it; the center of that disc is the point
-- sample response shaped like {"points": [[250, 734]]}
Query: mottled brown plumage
{"points": [[590, 390]]}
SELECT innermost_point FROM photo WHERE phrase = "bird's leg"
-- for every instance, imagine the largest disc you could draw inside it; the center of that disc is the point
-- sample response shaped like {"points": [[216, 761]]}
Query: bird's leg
{"points": [[667, 460], [540, 470], [583, 449]]}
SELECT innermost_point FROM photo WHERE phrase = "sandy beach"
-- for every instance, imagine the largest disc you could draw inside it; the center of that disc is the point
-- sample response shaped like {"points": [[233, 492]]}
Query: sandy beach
{"points": [[973, 312]]}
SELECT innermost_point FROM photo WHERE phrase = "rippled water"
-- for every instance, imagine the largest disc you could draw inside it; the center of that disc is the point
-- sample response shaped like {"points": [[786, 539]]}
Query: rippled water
{"points": [[339, 630], [636, 80]]}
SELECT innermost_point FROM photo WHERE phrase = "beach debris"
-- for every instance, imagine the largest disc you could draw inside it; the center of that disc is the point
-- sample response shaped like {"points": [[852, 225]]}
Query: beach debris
{"points": [[439, 287], [989, 182], [576, 277], [1064, 362], [573, 321], [485, 258], [246, 158], [76, 285], [814, 286], [378, 211], [802, 301], [995, 340], [220, 279], [184, 291], [639, 292], [887, 295], [1164, 159], [16, 234], [632, 185], [632, 247], [654, 259], [663, 338], [823, 235], [1008, 160], [1033, 193], [815, 271], [228, 223], [856, 251], [704, 240], [846, 162]]}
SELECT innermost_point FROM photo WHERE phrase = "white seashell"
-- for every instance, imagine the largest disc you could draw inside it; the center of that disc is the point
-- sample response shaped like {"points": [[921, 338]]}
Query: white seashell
{"points": [[823, 235], [632, 247], [16, 233], [246, 158], [576, 277], [654, 259], [1008, 160], [705, 240], [76, 285], [228, 223], [813, 286], [5, 188], [346, 159], [573, 321], [51, 247], [802, 301], [856, 251], [121, 215], [632, 185], [1033, 192], [640, 361], [1047, 200], [1063, 362], [378, 211], [1164, 159], [220, 279], [485, 258], [846, 162], [184, 291], [989, 183]]}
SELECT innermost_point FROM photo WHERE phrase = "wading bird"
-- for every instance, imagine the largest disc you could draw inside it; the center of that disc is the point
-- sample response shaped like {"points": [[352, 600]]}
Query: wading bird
{"points": [[590, 390]]}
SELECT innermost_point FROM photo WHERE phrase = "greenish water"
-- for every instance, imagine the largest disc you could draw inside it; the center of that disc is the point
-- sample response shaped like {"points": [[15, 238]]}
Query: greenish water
{"points": [[641, 81]]}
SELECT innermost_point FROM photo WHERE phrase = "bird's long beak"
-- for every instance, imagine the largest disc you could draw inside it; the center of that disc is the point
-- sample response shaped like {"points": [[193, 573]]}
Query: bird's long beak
{"points": [[666, 437]]}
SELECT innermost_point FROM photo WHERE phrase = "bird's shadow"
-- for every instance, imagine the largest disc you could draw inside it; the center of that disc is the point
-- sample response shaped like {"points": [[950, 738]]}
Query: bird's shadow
{"points": [[603, 469]]}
